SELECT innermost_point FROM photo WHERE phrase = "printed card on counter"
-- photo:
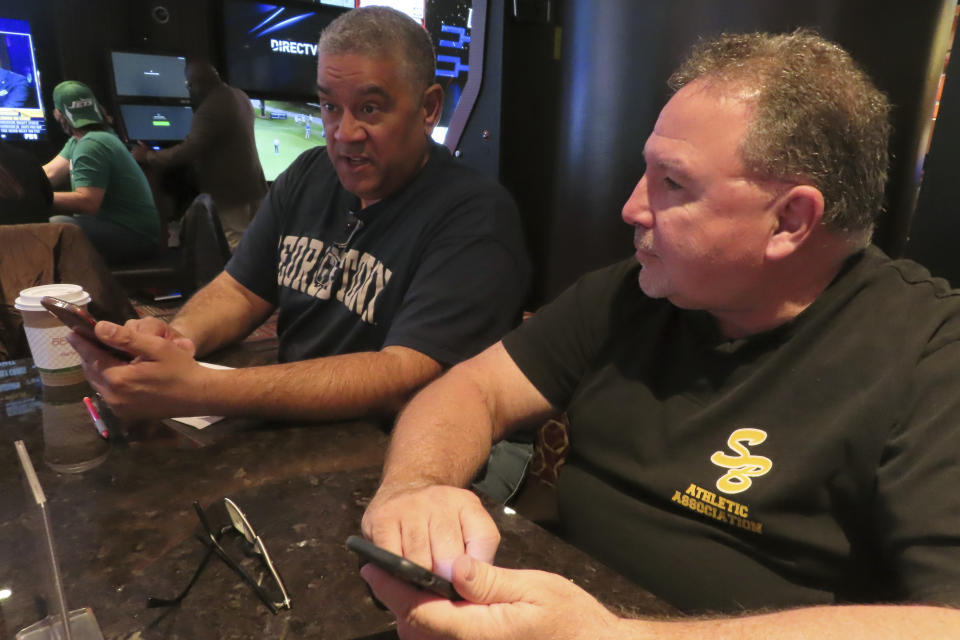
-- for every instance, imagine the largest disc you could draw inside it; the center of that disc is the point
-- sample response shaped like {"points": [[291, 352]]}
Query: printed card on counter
{"points": [[199, 422]]}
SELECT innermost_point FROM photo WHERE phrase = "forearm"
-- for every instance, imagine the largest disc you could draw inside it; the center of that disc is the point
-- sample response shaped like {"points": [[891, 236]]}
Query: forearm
{"points": [[220, 314], [331, 388], [443, 436], [73, 202], [177, 155], [869, 622], [202, 135]]}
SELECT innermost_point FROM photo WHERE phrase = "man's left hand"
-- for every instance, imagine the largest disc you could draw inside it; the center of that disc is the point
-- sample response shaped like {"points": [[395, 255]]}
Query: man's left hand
{"points": [[500, 604]]}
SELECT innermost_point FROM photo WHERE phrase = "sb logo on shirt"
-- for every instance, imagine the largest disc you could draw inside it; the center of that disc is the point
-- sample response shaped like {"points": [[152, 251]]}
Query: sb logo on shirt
{"points": [[744, 466]]}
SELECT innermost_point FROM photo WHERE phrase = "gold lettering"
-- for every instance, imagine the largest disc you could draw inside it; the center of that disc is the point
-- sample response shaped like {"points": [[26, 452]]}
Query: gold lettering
{"points": [[716, 507]]}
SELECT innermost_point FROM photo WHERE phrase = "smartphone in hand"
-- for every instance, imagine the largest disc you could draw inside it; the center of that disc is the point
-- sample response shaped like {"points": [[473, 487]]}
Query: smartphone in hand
{"points": [[402, 568], [81, 322]]}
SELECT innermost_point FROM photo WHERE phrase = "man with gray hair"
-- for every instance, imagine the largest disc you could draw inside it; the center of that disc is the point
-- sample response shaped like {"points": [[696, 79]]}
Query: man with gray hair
{"points": [[388, 259], [768, 426]]}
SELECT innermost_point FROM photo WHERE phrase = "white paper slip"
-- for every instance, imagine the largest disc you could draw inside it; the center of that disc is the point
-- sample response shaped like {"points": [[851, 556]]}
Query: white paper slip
{"points": [[199, 422]]}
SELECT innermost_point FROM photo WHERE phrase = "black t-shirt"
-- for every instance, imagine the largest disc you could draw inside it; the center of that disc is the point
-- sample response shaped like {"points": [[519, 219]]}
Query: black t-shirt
{"points": [[439, 266], [814, 463]]}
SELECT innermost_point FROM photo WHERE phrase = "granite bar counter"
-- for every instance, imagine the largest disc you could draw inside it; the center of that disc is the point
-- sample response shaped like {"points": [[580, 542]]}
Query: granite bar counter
{"points": [[125, 528]]}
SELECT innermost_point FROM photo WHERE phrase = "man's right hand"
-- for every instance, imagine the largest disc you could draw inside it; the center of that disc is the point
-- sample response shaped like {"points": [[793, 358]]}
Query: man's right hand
{"points": [[156, 327], [140, 152], [162, 380], [431, 525]]}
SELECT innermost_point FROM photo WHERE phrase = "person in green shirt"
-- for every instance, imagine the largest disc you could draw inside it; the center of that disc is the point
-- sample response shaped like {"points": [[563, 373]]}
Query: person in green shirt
{"points": [[108, 197]]}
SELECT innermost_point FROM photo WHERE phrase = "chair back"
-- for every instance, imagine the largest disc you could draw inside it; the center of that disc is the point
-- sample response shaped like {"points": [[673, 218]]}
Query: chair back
{"points": [[47, 253], [202, 242]]}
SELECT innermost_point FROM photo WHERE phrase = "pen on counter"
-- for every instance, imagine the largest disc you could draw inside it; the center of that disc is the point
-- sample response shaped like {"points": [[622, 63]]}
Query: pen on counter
{"points": [[97, 420]]}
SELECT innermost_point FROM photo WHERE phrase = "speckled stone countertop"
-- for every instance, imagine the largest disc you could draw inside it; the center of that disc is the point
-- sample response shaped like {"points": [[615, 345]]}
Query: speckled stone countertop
{"points": [[124, 529]]}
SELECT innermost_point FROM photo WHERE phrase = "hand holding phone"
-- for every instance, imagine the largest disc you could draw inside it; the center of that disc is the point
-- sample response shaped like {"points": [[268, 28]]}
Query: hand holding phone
{"points": [[402, 568], [81, 322]]}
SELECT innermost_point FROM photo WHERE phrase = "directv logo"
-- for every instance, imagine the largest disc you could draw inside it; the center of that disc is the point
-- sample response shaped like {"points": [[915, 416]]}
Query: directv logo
{"points": [[289, 46]]}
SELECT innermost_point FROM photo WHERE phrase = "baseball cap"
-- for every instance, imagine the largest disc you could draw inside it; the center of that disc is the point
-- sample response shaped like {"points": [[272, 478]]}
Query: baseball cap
{"points": [[77, 103]]}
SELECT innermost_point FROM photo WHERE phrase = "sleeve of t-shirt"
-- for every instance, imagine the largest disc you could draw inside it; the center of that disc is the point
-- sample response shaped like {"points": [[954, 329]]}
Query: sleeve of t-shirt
{"points": [[67, 150], [555, 346], [91, 164], [918, 501], [470, 285]]}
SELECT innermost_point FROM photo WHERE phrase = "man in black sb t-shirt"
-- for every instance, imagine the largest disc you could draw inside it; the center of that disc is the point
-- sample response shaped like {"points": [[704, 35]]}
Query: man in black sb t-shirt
{"points": [[766, 426]]}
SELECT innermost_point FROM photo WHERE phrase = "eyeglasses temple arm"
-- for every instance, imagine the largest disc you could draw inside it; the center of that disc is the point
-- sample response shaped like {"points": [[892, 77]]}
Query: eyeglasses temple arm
{"points": [[168, 602], [273, 572], [245, 577]]}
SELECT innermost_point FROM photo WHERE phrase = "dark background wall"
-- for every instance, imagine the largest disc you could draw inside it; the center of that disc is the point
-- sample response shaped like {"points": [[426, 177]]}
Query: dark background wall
{"points": [[73, 39], [571, 89], [617, 55]]}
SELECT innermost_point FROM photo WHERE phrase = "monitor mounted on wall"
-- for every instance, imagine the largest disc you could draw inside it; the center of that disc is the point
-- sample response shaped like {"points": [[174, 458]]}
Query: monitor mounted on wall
{"points": [[148, 75]]}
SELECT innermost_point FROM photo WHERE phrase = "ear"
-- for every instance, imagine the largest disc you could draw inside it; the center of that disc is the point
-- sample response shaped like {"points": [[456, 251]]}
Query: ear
{"points": [[432, 106], [799, 212]]}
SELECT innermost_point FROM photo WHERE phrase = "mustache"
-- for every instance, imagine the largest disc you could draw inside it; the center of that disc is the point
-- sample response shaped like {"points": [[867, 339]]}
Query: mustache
{"points": [[642, 240]]}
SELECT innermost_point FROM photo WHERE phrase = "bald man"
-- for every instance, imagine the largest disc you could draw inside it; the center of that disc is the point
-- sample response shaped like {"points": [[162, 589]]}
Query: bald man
{"points": [[221, 148]]}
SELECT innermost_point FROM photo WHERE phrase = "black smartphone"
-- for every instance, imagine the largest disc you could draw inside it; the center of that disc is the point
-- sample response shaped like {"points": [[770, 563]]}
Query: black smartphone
{"points": [[80, 321], [402, 568]]}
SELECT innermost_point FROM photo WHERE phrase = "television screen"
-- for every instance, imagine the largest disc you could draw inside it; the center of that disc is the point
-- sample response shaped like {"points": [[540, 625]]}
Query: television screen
{"points": [[148, 75], [413, 8], [283, 131], [156, 122], [21, 109], [271, 48]]}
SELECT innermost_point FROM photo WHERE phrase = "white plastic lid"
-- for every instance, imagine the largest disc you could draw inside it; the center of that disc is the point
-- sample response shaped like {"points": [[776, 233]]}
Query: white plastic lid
{"points": [[29, 299]]}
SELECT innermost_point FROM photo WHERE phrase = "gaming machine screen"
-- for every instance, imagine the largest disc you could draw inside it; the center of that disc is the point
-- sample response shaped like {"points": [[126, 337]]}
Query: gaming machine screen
{"points": [[149, 75], [156, 122]]}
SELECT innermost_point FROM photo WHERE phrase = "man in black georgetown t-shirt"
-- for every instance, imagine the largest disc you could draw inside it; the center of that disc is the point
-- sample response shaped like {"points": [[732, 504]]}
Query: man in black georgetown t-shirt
{"points": [[387, 259], [767, 426]]}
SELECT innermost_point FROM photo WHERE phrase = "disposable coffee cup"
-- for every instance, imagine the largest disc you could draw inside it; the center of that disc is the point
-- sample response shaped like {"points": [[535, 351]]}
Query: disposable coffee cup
{"points": [[57, 362]]}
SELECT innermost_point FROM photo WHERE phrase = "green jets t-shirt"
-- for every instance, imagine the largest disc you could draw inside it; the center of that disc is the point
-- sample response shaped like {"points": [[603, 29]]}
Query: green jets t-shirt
{"points": [[100, 159]]}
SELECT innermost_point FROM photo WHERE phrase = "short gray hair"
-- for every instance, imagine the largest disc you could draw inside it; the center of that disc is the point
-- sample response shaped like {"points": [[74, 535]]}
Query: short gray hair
{"points": [[817, 117], [382, 32]]}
